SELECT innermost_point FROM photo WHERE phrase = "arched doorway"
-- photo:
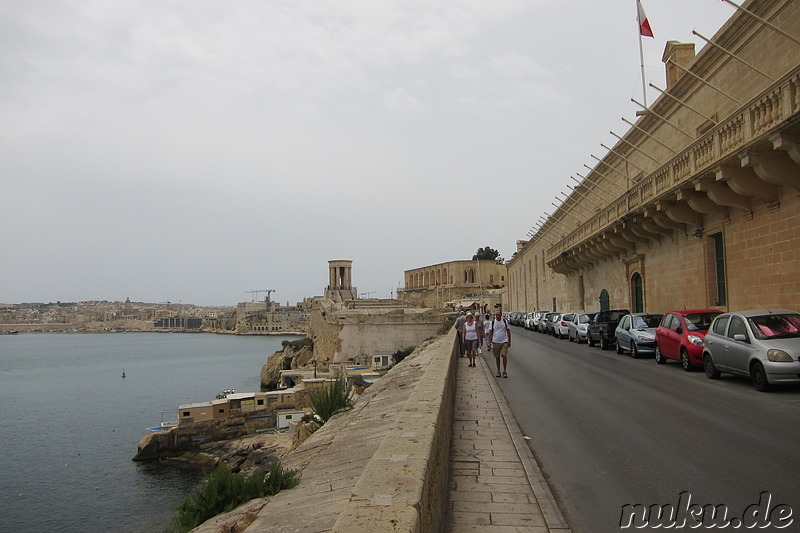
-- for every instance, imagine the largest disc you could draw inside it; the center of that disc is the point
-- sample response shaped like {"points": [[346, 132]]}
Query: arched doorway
{"points": [[604, 301], [637, 293]]}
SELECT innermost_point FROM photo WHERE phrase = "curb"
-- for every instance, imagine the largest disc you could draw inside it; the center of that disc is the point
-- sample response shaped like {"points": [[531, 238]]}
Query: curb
{"points": [[541, 490]]}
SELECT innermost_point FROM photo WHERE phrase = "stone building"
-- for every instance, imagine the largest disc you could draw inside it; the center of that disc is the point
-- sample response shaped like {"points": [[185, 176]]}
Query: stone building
{"points": [[266, 317], [346, 329], [454, 283], [697, 205]]}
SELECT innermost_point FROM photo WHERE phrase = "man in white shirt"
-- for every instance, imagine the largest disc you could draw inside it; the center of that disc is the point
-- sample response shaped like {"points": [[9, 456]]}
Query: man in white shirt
{"points": [[499, 341]]}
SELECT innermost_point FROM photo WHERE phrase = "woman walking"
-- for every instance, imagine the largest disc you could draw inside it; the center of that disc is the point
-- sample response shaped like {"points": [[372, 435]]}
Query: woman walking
{"points": [[470, 337]]}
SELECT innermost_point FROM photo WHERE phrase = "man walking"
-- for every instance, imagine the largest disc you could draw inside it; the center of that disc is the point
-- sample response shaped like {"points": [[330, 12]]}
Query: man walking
{"points": [[462, 318], [499, 341]]}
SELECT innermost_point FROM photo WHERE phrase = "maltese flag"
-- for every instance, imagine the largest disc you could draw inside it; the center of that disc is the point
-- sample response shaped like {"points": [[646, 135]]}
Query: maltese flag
{"points": [[644, 24]]}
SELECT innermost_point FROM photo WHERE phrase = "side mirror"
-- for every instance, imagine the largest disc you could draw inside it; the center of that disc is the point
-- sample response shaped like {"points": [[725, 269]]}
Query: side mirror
{"points": [[679, 331], [741, 337]]}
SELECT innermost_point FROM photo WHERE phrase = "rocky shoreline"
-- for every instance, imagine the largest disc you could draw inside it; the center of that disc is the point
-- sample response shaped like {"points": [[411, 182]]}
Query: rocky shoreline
{"points": [[240, 454]]}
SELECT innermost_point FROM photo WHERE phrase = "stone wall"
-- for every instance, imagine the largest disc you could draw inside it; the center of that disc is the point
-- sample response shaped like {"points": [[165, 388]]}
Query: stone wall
{"points": [[382, 466]]}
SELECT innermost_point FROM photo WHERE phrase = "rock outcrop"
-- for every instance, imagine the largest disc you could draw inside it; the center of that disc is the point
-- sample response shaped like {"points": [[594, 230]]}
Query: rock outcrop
{"points": [[296, 354]]}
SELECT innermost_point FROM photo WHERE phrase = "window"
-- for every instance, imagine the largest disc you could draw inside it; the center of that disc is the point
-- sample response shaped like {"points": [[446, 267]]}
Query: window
{"points": [[260, 401], [626, 323], [187, 413], [737, 327], [720, 325], [221, 411]]}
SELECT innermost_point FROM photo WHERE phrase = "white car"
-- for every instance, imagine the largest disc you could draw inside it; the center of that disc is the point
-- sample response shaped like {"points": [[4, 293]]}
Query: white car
{"points": [[578, 328], [561, 326]]}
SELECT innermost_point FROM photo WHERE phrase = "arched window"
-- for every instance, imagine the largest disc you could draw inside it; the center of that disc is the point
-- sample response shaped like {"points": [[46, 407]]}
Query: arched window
{"points": [[604, 301], [637, 293]]}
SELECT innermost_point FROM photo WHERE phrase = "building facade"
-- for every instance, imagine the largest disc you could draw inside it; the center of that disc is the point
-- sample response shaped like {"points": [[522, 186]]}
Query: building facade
{"points": [[452, 283], [698, 203]]}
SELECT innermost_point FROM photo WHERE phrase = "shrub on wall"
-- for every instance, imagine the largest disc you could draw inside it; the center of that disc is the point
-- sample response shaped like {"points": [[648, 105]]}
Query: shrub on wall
{"points": [[222, 491], [333, 397], [399, 355]]}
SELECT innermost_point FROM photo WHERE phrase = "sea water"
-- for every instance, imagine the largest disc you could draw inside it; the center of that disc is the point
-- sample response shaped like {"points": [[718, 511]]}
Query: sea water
{"points": [[71, 423]]}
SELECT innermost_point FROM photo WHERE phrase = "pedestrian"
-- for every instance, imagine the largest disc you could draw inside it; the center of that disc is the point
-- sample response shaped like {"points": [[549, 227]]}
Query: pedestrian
{"points": [[499, 341], [459, 330], [479, 324], [471, 338]]}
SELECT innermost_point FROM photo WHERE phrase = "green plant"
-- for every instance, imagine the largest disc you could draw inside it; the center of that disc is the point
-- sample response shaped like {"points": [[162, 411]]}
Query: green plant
{"points": [[222, 491], [399, 355], [330, 399]]}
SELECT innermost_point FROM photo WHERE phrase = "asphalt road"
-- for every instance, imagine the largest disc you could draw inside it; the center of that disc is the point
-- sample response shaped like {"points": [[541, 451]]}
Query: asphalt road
{"points": [[609, 430]]}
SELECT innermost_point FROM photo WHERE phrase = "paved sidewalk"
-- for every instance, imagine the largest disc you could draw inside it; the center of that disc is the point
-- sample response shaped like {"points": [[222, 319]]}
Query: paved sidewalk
{"points": [[495, 484]]}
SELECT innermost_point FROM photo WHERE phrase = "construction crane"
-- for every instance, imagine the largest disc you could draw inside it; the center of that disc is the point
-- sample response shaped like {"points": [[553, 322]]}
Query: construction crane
{"points": [[255, 293]]}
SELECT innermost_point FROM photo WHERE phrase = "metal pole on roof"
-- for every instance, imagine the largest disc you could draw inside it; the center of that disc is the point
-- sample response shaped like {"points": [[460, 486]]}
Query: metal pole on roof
{"points": [[766, 23]]}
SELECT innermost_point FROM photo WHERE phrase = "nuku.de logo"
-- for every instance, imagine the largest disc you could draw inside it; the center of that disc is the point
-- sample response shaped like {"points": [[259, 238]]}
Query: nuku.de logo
{"points": [[691, 515]]}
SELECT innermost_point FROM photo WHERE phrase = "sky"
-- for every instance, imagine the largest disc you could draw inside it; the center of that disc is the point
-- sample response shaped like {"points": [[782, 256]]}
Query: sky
{"points": [[196, 150]]}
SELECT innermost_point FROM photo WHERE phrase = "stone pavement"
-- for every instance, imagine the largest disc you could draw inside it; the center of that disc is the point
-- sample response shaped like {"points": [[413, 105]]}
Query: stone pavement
{"points": [[495, 483]]}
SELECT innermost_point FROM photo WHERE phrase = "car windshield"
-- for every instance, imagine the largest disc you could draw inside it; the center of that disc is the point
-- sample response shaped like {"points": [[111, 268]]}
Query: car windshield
{"points": [[646, 321], [700, 321], [775, 326], [584, 319]]}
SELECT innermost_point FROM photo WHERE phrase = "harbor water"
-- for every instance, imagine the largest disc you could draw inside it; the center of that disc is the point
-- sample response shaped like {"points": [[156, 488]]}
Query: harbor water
{"points": [[71, 423]]}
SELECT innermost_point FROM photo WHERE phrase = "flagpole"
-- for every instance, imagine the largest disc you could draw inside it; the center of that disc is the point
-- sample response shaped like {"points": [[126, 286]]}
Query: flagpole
{"points": [[641, 53]]}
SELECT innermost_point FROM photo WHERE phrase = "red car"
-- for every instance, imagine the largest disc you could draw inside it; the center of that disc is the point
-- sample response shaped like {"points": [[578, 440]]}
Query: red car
{"points": [[680, 336]]}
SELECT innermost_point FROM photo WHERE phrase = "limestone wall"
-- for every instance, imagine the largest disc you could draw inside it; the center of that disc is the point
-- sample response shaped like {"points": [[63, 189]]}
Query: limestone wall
{"points": [[383, 466]]}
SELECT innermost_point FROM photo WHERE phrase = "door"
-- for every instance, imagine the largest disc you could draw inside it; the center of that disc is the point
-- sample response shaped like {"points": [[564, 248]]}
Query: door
{"points": [[604, 301], [737, 353], [638, 293]]}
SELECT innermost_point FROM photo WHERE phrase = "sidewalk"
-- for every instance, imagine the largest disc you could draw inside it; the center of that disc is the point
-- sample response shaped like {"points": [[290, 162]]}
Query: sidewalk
{"points": [[495, 483]]}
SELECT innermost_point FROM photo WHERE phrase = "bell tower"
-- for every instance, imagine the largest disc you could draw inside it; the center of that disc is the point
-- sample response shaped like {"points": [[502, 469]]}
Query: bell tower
{"points": [[340, 281]]}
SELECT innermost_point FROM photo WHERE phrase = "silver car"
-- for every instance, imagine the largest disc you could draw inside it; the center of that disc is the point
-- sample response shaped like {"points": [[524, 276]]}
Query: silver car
{"points": [[637, 333], [579, 327], [762, 344]]}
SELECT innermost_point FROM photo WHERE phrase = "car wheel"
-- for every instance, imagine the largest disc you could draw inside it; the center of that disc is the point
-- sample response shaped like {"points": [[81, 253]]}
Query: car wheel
{"points": [[603, 343], [710, 368], [660, 356], [759, 377], [634, 350], [619, 347], [685, 362]]}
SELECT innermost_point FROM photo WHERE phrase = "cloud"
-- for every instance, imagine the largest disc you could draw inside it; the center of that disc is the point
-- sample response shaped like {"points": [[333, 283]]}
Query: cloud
{"points": [[403, 105]]}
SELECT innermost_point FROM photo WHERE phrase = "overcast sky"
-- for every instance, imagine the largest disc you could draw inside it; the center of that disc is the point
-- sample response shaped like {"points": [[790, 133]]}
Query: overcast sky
{"points": [[195, 150]]}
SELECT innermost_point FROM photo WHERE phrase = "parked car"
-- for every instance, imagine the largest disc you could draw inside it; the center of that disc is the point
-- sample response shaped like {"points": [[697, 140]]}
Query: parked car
{"points": [[680, 336], [637, 333], [578, 328], [543, 322], [561, 327], [603, 326], [551, 323], [533, 321], [761, 344]]}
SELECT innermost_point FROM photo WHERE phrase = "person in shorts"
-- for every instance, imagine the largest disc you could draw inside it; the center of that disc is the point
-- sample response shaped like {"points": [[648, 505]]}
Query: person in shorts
{"points": [[499, 341], [470, 336]]}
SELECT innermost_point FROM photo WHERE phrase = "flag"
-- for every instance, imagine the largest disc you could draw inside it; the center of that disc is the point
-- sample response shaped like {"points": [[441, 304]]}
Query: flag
{"points": [[644, 24]]}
